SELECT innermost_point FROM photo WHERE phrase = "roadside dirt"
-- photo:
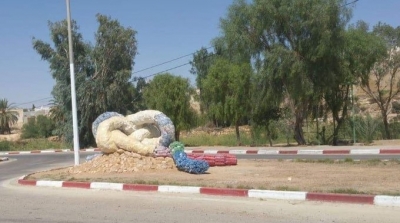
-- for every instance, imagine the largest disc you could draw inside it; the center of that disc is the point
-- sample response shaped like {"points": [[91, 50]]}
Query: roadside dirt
{"points": [[372, 177]]}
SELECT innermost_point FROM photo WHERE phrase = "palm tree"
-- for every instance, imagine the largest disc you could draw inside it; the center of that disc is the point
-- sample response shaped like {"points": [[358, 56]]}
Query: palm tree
{"points": [[56, 112], [7, 116]]}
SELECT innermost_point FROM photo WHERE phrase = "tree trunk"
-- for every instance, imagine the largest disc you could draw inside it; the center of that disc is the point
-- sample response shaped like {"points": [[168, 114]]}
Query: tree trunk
{"points": [[335, 134], [335, 140], [386, 124], [269, 136], [237, 133], [298, 130], [177, 133]]}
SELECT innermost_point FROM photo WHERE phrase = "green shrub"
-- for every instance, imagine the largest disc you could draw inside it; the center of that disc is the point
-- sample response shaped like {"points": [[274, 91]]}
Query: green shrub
{"points": [[5, 146], [366, 127], [41, 127]]}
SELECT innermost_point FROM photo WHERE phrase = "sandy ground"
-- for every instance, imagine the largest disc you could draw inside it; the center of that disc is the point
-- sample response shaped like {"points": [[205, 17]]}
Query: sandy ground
{"points": [[370, 177]]}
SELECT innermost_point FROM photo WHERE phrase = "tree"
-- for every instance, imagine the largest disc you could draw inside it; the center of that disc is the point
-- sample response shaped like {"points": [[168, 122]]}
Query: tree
{"points": [[294, 43], [227, 89], [38, 127], [8, 116], [137, 92], [201, 63], [382, 84], [102, 70], [171, 95], [264, 110], [57, 57], [106, 86]]}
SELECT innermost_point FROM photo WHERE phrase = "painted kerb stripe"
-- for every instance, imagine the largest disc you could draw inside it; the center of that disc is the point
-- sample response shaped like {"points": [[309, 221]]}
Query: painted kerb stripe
{"points": [[45, 183], [365, 151], [107, 186], [381, 200], [179, 189], [282, 195]]}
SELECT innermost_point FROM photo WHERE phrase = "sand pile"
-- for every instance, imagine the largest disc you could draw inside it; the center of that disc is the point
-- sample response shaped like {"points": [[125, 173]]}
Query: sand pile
{"points": [[122, 163]]}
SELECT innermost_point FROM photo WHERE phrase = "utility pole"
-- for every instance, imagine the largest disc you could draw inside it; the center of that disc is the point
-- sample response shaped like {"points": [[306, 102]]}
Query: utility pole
{"points": [[73, 92], [352, 116]]}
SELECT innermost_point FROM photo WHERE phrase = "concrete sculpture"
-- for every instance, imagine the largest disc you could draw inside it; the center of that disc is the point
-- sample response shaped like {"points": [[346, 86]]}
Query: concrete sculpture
{"points": [[148, 133]]}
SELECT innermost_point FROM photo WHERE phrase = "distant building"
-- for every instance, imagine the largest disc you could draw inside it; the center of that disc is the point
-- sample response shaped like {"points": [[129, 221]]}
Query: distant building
{"points": [[25, 115]]}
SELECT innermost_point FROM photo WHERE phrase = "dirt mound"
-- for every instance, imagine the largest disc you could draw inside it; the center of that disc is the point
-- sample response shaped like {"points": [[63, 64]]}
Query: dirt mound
{"points": [[10, 137], [123, 163]]}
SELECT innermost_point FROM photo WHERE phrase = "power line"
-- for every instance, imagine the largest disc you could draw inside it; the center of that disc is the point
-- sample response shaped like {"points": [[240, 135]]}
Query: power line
{"points": [[29, 102], [169, 61], [350, 3], [165, 70]]}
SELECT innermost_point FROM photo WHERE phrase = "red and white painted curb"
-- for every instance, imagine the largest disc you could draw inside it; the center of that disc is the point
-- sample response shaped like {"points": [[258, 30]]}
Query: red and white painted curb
{"points": [[257, 151], [46, 151], [301, 151], [379, 200]]}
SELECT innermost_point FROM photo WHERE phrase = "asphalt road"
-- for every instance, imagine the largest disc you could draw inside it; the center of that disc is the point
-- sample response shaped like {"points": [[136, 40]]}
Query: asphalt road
{"points": [[24, 204]]}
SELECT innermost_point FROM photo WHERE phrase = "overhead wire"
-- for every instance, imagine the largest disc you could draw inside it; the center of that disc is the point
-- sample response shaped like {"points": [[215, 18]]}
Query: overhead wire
{"points": [[29, 102]]}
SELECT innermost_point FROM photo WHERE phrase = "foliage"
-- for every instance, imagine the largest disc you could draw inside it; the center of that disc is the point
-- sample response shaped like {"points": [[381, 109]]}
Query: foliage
{"points": [[8, 116], [226, 88], [5, 146], [30, 144], [366, 128], [102, 70], [39, 127], [382, 85], [294, 45], [201, 63], [171, 95], [137, 92]]}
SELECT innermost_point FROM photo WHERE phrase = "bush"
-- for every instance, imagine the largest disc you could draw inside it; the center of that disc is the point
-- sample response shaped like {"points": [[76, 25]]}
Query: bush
{"points": [[367, 128], [5, 146], [41, 127]]}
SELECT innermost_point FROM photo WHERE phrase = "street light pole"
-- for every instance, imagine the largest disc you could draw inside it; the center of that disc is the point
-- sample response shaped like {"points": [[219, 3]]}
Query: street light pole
{"points": [[73, 93], [352, 116]]}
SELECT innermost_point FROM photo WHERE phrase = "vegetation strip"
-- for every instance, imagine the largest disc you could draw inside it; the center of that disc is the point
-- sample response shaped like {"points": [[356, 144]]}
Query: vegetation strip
{"points": [[235, 151]]}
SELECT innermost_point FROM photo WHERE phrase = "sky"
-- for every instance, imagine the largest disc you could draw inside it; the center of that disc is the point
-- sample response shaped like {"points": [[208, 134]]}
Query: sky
{"points": [[166, 30]]}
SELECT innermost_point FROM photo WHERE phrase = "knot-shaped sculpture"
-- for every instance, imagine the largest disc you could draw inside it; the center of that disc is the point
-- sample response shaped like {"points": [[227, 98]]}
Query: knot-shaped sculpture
{"points": [[146, 132]]}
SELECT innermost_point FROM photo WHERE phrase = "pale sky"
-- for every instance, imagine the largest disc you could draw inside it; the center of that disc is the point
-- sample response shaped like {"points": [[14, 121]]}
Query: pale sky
{"points": [[166, 30]]}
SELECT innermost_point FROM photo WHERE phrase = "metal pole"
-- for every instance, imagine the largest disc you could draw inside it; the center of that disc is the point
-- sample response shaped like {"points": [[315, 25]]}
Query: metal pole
{"points": [[73, 93], [352, 108]]}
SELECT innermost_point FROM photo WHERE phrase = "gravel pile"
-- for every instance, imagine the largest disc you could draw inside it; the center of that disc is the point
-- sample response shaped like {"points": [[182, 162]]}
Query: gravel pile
{"points": [[123, 163]]}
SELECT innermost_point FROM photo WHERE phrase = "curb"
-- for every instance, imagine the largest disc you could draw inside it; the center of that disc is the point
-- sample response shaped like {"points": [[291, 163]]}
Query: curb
{"points": [[232, 150], [378, 200], [46, 151], [301, 152]]}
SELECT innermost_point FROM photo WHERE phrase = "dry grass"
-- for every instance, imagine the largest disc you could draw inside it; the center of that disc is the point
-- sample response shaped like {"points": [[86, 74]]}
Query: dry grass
{"points": [[339, 177]]}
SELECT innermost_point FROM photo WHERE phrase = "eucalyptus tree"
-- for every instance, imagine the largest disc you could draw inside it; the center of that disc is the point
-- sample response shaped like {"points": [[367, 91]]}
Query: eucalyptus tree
{"points": [[171, 95], [295, 43], [102, 70], [107, 84], [56, 54]]}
